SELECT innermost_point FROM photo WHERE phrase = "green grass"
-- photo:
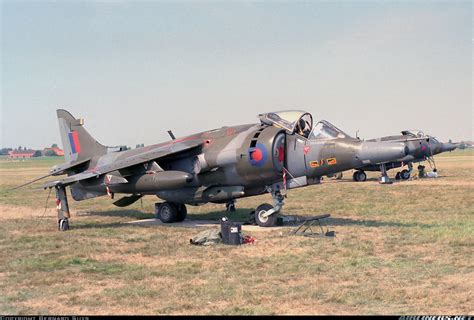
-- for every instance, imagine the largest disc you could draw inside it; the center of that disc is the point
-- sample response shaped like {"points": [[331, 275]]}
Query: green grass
{"points": [[39, 162], [404, 248]]}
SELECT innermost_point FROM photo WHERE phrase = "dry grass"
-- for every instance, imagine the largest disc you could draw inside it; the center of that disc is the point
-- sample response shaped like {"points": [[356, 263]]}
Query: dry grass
{"points": [[402, 248]]}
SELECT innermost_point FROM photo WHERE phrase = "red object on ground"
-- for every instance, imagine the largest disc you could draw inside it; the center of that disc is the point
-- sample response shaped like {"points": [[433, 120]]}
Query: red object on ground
{"points": [[249, 240]]}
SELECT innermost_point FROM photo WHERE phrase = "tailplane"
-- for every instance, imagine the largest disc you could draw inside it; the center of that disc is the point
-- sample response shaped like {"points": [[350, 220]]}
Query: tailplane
{"points": [[78, 144]]}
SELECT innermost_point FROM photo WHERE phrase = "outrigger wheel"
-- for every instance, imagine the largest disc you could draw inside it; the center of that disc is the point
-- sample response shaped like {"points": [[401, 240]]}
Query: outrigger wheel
{"points": [[265, 221], [63, 224]]}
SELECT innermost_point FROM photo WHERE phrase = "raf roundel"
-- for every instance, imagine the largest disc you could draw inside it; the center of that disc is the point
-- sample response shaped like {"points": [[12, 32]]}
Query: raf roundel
{"points": [[258, 155]]}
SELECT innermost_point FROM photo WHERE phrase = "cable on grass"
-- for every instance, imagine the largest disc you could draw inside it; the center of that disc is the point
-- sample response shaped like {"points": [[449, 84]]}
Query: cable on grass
{"points": [[45, 208]]}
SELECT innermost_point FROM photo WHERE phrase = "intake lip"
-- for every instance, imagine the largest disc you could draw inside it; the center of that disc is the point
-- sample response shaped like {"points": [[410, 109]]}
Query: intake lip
{"points": [[407, 150]]}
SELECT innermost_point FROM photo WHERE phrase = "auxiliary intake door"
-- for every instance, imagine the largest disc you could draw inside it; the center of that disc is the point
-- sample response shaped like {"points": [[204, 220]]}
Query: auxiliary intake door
{"points": [[296, 157]]}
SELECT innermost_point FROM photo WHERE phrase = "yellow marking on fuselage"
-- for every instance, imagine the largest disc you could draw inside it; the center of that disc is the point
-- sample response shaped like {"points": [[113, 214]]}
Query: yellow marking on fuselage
{"points": [[314, 164]]}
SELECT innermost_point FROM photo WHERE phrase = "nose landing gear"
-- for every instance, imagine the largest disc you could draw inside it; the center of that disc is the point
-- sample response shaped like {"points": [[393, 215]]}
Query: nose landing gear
{"points": [[405, 174], [266, 215]]}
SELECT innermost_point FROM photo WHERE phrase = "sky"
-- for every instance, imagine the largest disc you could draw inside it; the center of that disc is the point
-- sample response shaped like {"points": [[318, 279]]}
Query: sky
{"points": [[134, 70]]}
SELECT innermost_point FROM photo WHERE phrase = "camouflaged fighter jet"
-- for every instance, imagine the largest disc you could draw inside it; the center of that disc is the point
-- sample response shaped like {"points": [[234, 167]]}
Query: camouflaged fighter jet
{"points": [[282, 151], [422, 147]]}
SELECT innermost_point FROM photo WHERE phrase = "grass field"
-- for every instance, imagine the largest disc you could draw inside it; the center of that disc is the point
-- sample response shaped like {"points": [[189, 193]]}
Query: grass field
{"points": [[405, 248]]}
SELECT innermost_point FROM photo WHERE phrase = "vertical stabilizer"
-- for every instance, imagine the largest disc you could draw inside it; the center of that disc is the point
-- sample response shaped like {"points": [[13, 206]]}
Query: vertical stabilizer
{"points": [[78, 144]]}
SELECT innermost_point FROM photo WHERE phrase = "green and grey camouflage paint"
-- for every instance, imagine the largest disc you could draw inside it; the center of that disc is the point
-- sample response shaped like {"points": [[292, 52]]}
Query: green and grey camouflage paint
{"points": [[220, 165]]}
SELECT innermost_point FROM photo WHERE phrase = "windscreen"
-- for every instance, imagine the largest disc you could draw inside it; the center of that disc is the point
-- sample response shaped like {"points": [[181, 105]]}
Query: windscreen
{"points": [[325, 130]]}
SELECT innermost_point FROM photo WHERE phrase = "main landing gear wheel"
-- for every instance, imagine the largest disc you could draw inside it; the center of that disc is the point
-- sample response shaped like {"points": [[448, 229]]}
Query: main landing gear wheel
{"points": [[359, 176], [405, 174], [63, 225], [182, 212], [263, 221], [397, 176], [167, 212]]}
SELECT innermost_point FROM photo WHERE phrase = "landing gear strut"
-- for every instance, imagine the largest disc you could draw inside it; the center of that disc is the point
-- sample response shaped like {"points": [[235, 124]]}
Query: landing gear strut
{"points": [[266, 215], [230, 206], [63, 208], [384, 179]]}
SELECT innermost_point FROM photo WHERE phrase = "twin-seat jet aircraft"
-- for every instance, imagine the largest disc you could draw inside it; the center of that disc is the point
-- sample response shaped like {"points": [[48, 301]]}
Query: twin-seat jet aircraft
{"points": [[422, 147], [283, 151]]}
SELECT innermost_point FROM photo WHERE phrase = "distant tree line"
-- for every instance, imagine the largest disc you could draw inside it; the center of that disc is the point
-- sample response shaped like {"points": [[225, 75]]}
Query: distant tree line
{"points": [[4, 151]]}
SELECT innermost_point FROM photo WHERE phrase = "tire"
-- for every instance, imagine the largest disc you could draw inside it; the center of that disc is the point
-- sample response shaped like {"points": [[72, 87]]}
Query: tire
{"points": [[63, 225], [405, 174], [182, 212], [354, 176], [361, 176], [168, 212], [398, 176], [269, 221]]}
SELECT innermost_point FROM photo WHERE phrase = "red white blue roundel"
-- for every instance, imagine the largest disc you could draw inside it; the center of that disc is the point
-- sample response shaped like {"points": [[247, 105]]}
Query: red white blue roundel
{"points": [[258, 155]]}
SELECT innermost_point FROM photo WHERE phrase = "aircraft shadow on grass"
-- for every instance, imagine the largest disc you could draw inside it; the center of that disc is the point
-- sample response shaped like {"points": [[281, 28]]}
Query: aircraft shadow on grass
{"points": [[117, 213], [240, 215]]}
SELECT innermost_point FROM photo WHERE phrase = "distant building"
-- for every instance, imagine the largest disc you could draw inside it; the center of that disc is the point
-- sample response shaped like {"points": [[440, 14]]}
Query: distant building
{"points": [[21, 154], [53, 152]]}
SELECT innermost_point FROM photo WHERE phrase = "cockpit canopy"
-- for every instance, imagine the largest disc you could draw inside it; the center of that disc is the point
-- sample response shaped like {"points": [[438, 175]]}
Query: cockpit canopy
{"points": [[326, 130], [293, 121], [414, 133], [419, 134]]}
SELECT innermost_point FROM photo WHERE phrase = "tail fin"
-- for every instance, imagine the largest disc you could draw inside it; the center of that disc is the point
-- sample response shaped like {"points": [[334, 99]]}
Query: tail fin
{"points": [[78, 144]]}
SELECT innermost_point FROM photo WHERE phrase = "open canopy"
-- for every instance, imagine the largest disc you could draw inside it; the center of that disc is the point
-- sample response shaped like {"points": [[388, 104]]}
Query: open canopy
{"points": [[293, 121], [418, 134], [413, 133]]}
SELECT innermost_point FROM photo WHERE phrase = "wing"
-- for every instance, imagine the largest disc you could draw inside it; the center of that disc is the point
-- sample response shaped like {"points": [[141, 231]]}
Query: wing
{"points": [[411, 139], [56, 171], [71, 179], [155, 153], [399, 139]]}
